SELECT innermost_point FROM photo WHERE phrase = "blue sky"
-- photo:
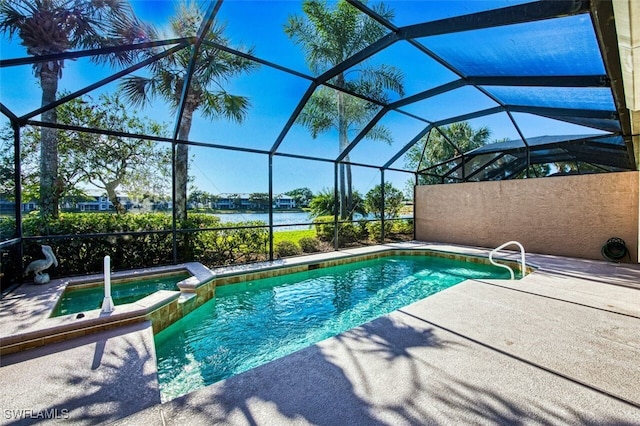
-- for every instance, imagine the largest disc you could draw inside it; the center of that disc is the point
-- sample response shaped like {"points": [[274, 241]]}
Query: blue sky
{"points": [[275, 94]]}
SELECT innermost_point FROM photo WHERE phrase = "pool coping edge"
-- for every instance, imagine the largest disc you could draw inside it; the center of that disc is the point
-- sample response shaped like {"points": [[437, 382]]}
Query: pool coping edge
{"points": [[165, 307]]}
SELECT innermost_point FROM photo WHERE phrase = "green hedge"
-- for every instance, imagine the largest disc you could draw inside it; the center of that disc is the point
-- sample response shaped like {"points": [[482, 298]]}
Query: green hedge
{"points": [[348, 232], [324, 231], [309, 245], [82, 255], [286, 248], [374, 229], [404, 226], [360, 230]]}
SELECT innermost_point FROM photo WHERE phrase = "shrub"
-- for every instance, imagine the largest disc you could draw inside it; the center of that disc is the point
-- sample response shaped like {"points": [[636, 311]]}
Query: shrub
{"points": [[309, 245], [361, 229], [374, 229], [403, 227], [226, 245], [7, 227], [324, 231], [286, 248], [348, 232]]}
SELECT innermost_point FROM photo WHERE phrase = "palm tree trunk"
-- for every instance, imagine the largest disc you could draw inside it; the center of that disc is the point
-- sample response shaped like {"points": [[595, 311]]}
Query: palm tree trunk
{"points": [[342, 211], [344, 142], [49, 185], [182, 164], [349, 189]]}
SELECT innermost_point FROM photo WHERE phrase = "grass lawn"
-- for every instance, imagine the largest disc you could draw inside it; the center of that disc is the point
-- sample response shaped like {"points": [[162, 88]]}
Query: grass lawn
{"points": [[293, 236]]}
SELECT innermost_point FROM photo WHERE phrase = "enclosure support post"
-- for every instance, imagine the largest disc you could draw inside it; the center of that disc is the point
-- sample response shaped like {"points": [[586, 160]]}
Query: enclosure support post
{"points": [[17, 163], [382, 205], [174, 230], [415, 190], [270, 206], [335, 206]]}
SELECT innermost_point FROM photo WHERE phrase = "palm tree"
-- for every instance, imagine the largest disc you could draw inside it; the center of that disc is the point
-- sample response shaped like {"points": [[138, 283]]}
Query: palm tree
{"points": [[213, 68], [329, 36], [455, 139], [323, 204], [49, 27]]}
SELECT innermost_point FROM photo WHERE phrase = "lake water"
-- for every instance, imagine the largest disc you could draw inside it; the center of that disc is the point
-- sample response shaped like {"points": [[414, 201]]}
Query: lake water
{"points": [[280, 218], [292, 220]]}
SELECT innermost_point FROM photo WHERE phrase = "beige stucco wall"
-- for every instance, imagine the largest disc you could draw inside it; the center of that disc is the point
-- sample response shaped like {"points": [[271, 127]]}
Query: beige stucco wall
{"points": [[569, 216]]}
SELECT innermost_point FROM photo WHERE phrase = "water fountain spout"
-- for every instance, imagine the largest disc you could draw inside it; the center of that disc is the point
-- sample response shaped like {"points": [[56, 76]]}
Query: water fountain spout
{"points": [[107, 302]]}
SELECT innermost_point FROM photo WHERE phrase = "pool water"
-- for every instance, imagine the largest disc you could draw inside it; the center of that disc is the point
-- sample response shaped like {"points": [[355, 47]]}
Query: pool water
{"points": [[252, 323], [75, 300]]}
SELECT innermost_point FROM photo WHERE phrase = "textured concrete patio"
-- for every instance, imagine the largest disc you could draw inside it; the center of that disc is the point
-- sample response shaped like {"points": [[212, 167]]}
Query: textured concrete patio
{"points": [[560, 346]]}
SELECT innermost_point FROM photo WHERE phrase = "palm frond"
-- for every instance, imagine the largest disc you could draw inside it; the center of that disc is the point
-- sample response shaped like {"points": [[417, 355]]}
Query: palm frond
{"points": [[235, 107], [128, 30], [215, 66], [212, 70], [380, 133], [222, 104], [187, 19], [320, 35], [319, 114], [137, 90], [381, 78], [12, 15]]}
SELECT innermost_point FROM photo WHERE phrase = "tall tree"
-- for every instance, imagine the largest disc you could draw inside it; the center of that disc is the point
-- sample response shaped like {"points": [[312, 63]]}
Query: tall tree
{"points": [[213, 70], [302, 196], [323, 204], [114, 164], [49, 27], [455, 139], [202, 199], [329, 36], [28, 166], [392, 201]]}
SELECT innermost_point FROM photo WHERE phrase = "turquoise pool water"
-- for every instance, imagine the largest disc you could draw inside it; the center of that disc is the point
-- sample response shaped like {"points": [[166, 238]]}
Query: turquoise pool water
{"points": [[77, 300], [252, 323]]}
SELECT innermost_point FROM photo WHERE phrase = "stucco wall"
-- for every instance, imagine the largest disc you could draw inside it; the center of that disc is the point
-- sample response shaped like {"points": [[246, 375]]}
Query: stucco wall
{"points": [[569, 216]]}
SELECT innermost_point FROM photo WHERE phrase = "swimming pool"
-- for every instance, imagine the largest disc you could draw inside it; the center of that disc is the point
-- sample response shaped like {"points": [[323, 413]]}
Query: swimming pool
{"points": [[86, 297], [252, 323]]}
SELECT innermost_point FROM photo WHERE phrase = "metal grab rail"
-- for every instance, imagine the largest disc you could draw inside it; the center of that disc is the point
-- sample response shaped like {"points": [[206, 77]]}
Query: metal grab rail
{"points": [[523, 267]]}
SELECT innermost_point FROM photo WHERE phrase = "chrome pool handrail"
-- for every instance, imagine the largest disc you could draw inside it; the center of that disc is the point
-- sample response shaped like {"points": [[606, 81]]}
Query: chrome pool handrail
{"points": [[523, 267]]}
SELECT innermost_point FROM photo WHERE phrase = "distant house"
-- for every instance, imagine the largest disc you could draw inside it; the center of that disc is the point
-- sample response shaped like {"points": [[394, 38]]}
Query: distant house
{"points": [[228, 201], [101, 203], [29, 206], [284, 201], [95, 203], [234, 202], [9, 207], [98, 204]]}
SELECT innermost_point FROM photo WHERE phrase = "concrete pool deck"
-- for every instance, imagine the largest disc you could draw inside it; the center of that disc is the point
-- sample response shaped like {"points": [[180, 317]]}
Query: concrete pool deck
{"points": [[560, 346]]}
